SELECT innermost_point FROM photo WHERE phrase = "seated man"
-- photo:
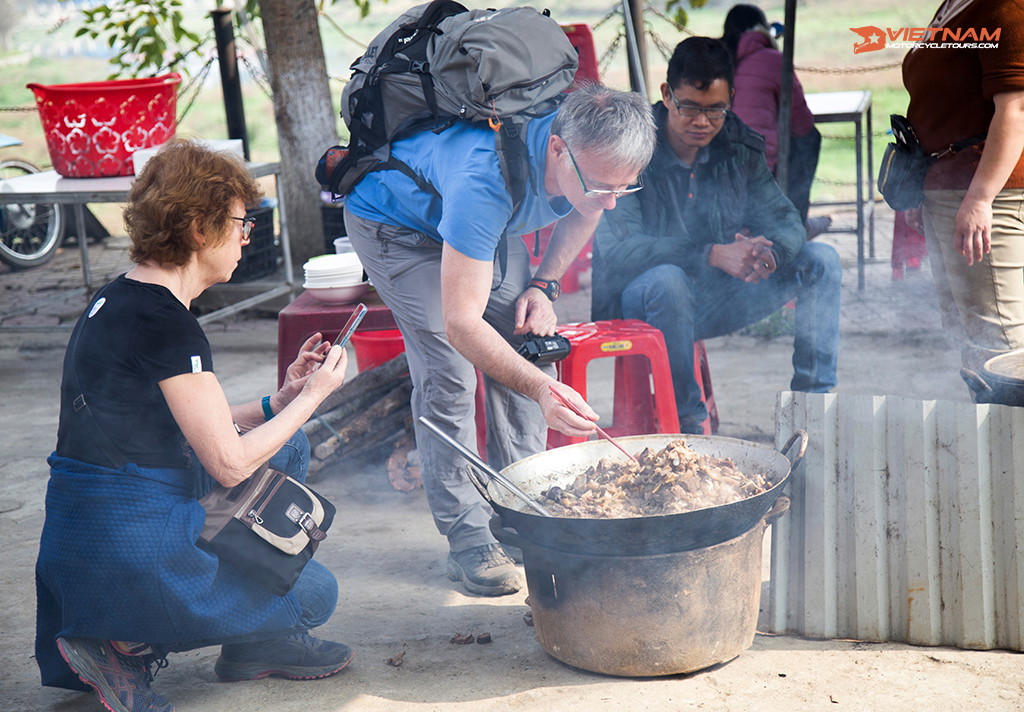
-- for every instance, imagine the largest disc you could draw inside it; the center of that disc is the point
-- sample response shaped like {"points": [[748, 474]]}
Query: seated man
{"points": [[711, 244]]}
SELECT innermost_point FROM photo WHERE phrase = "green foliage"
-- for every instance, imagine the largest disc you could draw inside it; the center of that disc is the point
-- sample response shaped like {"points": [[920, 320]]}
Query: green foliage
{"points": [[677, 11], [149, 36]]}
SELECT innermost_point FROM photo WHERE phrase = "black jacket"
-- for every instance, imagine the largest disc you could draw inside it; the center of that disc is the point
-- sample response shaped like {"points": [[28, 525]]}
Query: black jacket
{"points": [[676, 219]]}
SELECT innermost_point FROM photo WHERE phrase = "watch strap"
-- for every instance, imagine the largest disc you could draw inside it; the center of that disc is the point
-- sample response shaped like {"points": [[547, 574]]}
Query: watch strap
{"points": [[550, 287]]}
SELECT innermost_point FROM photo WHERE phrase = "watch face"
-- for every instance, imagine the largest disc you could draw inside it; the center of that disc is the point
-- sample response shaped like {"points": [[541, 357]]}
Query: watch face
{"points": [[550, 287]]}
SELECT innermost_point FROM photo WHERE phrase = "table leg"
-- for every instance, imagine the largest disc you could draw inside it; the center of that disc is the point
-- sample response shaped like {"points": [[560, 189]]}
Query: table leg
{"points": [[286, 245], [871, 188], [83, 245], [858, 139]]}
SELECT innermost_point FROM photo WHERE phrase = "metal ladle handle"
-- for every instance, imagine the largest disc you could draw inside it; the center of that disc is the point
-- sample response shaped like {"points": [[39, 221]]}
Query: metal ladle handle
{"points": [[475, 460]]}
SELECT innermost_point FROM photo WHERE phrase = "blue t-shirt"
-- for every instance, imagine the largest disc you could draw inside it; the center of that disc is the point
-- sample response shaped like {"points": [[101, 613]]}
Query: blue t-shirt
{"points": [[462, 164]]}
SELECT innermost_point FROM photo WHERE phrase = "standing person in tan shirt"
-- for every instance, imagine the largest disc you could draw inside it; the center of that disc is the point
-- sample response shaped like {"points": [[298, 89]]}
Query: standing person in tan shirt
{"points": [[973, 211]]}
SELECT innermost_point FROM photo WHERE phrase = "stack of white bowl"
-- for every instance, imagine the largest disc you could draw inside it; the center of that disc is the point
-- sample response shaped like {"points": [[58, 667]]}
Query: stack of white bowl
{"points": [[335, 279]]}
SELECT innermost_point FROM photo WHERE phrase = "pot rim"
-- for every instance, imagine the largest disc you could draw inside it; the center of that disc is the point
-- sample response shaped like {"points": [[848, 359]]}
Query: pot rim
{"points": [[498, 497]]}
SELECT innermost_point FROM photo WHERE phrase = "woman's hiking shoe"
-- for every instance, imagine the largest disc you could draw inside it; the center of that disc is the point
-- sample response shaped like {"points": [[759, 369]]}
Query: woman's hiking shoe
{"points": [[121, 681], [297, 657], [484, 570]]}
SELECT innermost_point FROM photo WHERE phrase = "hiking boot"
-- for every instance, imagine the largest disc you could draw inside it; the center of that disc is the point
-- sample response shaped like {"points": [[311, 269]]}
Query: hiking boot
{"points": [[297, 657], [484, 570], [120, 681], [514, 553]]}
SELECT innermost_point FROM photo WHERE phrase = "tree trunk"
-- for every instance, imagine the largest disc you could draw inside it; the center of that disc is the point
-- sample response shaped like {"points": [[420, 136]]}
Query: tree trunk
{"points": [[304, 113]]}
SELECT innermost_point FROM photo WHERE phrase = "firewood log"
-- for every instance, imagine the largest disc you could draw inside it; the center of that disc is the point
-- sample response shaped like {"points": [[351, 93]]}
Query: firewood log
{"points": [[364, 422], [367, 381]]}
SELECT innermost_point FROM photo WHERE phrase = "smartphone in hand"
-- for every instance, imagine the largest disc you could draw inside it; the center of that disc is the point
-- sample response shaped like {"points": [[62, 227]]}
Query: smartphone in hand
{"points": [[351, 325]]}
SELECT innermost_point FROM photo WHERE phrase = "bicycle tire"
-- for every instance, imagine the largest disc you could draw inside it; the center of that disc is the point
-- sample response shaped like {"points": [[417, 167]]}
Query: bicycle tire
{"points": [[30, 233]]}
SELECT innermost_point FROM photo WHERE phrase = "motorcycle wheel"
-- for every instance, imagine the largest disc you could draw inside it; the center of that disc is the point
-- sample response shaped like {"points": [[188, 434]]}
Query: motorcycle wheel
{"points": [[30, 233]]}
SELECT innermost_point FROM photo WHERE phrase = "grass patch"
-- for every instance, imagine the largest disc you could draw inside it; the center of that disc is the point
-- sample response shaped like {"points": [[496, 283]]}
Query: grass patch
{"points": [[779, 323]]}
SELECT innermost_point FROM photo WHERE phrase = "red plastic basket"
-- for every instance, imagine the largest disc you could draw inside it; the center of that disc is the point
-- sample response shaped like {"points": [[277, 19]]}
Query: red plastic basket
{"points": [[92, 129]]}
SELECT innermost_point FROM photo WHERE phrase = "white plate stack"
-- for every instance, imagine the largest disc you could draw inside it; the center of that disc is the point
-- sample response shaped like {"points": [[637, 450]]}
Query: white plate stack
{"points": [[335, 279]]}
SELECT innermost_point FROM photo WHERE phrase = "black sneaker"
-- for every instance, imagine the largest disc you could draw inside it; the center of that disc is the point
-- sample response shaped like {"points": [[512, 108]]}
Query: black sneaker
{"points": [[691, 424], [297, 657], [817, 226], [121, 681], [484, 570]]}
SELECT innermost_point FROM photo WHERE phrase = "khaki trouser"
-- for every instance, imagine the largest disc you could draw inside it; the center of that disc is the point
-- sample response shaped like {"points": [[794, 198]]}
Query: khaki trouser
{"points": [[982, 305], [405, 268]]}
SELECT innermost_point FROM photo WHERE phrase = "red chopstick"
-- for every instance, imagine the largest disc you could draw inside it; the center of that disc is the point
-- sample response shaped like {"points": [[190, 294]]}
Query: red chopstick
{"points": [[565, 401]]}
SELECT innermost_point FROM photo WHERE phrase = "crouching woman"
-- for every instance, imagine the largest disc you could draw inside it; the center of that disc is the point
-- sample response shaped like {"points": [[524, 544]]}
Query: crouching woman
{"points": [[145, 429]]}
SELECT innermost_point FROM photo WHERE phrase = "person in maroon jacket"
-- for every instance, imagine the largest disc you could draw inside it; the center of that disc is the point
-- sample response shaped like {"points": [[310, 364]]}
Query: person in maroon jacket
{"points": [[758, 87]]}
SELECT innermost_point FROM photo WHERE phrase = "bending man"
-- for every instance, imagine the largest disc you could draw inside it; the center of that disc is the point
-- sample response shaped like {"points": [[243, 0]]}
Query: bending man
{"points": [[432, 260]]}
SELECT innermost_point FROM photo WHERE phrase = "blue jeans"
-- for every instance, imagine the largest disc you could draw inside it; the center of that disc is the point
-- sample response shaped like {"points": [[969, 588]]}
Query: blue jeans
{"points": [[686, 310]]}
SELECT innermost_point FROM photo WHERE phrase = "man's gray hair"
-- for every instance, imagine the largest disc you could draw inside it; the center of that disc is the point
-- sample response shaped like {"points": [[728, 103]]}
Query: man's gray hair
{"points": [[617, 123]]}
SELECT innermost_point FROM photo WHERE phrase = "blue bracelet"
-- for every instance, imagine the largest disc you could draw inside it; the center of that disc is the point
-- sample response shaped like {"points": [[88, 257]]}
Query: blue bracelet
{"points": [[267, 412]]}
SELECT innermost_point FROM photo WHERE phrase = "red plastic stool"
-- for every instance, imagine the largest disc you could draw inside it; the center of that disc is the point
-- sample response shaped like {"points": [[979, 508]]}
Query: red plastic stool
{"points": [[644, 399]]}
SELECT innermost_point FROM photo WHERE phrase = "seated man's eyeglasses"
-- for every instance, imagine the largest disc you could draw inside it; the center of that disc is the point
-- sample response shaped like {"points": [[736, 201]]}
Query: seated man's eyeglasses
{"points": [[692, 111], [248, 223], [597, 192]]}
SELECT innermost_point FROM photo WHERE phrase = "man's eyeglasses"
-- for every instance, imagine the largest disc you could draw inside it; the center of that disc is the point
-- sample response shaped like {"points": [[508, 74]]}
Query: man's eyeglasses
{"points": [[597, 192], [692, 111], [248, 223]]}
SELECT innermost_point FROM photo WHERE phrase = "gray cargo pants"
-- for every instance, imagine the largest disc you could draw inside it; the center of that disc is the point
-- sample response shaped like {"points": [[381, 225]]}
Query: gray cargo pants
{"points": [[405, 268]]}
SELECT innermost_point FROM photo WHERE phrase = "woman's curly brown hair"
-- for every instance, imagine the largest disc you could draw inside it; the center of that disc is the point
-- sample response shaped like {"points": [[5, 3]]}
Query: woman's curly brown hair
{"points": [[184, 184]]}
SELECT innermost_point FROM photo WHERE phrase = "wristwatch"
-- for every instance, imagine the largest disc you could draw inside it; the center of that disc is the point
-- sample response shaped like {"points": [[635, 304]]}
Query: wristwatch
{"points": [[550, 287]]}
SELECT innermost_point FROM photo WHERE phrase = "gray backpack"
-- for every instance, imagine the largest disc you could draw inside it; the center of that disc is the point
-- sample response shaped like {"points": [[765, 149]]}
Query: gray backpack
{"points": [[440, 63]]}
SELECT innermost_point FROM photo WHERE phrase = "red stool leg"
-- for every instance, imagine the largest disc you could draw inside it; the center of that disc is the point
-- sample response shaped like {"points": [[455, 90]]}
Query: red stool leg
{"points": [[634, 409], [661, 380]]}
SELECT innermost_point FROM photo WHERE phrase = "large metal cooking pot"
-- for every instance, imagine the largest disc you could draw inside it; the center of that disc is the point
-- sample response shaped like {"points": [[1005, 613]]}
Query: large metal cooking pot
{"points": [[637, 536], [646, 615], [1001, 380]]}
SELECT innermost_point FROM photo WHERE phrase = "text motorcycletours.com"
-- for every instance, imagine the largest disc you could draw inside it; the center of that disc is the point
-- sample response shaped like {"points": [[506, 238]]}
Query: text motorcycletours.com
{"points": [[942, 45]]}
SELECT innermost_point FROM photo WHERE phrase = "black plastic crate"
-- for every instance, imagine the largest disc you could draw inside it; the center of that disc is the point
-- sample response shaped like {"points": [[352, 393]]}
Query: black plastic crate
{"points": [[334, 225], [259, 257]]}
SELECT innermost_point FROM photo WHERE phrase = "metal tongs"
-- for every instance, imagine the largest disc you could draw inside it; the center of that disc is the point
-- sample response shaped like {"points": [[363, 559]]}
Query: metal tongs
{"points": [[475, 460]]}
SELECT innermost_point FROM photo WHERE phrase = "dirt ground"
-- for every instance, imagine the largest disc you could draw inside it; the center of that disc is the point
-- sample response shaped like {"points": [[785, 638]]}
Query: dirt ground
{"points": [[389, 559]]}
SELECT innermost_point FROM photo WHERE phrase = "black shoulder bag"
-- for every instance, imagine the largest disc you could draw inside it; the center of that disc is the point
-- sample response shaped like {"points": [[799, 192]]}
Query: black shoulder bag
{"points": [[904, 164]]}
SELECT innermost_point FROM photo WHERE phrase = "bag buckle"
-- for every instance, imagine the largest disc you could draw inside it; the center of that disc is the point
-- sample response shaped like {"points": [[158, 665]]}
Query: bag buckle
{"points": [[79, 402], [306, 522]]}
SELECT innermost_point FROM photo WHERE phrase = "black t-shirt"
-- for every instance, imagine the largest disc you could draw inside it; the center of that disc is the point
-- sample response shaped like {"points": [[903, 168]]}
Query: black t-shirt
{"points": [[132, 336]]}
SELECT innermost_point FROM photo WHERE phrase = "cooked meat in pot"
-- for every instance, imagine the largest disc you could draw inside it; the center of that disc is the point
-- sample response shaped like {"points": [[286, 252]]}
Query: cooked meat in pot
{"points": [[672, 480]]}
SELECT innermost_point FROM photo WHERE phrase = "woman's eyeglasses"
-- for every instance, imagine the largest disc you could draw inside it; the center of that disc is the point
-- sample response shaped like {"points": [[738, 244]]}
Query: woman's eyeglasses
{"points": [[248, 223], [692, 111], [597, 192]]}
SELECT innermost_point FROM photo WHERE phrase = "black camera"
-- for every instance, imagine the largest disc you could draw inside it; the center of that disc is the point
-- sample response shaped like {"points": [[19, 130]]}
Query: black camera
{"points": [[544, 349]]}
